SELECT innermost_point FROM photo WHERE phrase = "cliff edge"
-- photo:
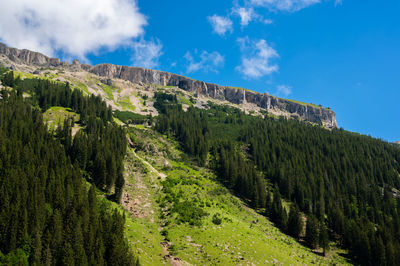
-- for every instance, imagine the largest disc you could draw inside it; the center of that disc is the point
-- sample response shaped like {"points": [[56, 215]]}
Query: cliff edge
{"points": [[271, 104]]}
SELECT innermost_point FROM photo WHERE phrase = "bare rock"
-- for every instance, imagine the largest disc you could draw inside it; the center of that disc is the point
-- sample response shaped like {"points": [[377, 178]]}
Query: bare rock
{"points": [[142, 76]]}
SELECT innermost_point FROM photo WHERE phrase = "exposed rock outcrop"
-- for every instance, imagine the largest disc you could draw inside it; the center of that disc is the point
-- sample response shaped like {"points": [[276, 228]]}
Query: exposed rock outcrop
{"points": [[272, 104], [234, 95]]}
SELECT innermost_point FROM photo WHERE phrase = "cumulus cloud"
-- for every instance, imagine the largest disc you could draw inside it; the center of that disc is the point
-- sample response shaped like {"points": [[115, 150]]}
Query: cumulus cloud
{"points": [[284, 5], [146, 53], [74, 27], [207, 62], [283, 91], [246, 15], [221, 25], [256, 58]]}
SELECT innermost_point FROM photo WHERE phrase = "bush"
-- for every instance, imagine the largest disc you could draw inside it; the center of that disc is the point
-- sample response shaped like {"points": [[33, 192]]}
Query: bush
{"points": [[130, 118], [189, 212], [216, 219]]}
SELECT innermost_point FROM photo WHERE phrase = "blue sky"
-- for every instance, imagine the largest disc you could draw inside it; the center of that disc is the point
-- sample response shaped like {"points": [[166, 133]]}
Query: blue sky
{"points": [[341, 54]]}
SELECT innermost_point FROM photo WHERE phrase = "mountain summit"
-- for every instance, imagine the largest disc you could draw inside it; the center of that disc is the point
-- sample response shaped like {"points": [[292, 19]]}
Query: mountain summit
{"points": [[250, 101]]}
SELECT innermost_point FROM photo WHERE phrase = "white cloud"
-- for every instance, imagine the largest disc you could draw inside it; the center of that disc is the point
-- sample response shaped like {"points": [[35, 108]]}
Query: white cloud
{"points": [[268, 21], [74, 27], [146, 53], [284, 5], [256, 58], [283, 91], [338, 2], [246, 15], [207, 62], [221, 25]]}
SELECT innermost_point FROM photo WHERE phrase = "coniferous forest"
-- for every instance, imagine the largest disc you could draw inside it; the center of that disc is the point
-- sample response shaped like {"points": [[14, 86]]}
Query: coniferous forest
{"points": [[50, 213], [316, 185], [344, 183]]}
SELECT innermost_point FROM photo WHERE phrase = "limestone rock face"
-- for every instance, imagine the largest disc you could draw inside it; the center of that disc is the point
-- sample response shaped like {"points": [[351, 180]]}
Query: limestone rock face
{"points": [[234, 95], [28, 57], [143, 76]]}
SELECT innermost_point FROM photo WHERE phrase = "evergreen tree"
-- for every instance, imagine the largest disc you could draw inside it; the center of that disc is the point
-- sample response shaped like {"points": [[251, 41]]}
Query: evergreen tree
{"points": [[324, 239], [312, 232], [295, 223]]}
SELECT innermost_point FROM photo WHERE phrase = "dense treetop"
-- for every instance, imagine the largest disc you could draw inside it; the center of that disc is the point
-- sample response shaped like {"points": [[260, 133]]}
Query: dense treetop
{"points": [[347, 181]]}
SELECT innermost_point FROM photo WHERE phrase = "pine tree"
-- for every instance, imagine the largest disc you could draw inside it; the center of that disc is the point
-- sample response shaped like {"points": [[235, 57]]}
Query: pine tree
{"points": [[295, 223], [324, 239], [312, 234]]}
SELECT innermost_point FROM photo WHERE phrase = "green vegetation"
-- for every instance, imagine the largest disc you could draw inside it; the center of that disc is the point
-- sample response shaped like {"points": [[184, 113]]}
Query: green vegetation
{"points": [[100, 149], [56, 115], [125, 103], [130, 118], [303, 103], [108, 90], [3, 69], [48, 215], [210, 187], [229, 234], [335, 176], [79, 85], [24, 75], [182, 99]]}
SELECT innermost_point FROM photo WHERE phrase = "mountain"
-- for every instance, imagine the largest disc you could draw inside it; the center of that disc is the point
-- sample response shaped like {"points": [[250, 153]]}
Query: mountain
{"points": [[243, 98], [102, 166], [81, 195]]}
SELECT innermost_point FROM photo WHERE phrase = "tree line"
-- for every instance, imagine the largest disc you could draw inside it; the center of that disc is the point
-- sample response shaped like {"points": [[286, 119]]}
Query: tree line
{"points": [[49, 214], [99, 147], [344, 183]]}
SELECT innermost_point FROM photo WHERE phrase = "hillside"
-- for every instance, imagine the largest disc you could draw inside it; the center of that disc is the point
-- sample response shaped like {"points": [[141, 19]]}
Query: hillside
{"points": [[124, 87], [156, 169], [203, 181]]}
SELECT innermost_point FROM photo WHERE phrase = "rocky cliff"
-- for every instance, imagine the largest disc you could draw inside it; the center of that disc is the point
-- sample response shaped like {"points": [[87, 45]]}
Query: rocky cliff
{"points": [[271, 104]]}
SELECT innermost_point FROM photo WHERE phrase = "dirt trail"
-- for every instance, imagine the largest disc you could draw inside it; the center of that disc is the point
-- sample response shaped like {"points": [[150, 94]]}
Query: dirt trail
{"points": [[136, 195], [136, 199], [151, 168]]}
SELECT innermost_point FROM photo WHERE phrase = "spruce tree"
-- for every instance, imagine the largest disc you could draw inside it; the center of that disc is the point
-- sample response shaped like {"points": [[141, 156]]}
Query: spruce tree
{"points": [[312, 233], [295, 222]]}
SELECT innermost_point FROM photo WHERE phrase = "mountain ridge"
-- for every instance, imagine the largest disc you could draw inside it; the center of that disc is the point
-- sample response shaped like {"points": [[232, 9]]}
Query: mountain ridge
{"points": [[271, 104]]}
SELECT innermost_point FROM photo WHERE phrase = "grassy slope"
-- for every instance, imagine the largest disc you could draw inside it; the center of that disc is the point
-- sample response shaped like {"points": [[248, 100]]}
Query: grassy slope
{"points": [[56, 115], [243, 237]]}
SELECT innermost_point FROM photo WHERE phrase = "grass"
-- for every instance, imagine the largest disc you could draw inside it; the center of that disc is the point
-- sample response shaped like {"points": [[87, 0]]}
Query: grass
{"points": [[142, 233], [108, 91], [184, 100], [125, 103], [119, 122], [24, 75], [127, 116], [240, 88], [244, 237], [56, 115], [78, 85], [303, 103]]}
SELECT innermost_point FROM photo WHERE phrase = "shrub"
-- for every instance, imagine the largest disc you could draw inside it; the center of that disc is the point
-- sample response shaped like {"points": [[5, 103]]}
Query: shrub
{"points": [[189, 212], [216, 219]]}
